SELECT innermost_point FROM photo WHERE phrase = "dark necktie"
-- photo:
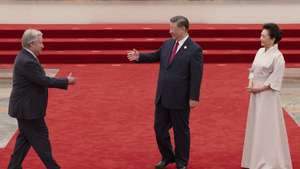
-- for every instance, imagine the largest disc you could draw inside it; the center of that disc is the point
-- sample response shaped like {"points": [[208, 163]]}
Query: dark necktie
{"points": [[173, 52]]}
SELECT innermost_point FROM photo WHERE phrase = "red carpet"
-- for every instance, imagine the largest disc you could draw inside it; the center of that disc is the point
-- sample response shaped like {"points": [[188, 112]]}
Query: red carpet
{"points": [[108, 43], [106, 120]]}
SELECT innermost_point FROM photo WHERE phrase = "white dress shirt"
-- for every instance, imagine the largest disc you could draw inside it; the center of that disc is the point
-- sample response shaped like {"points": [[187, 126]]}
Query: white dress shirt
{"points": [[181, 42], [32, 54]]}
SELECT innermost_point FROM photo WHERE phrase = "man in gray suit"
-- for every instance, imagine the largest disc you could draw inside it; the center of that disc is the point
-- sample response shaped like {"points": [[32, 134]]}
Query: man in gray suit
{"points": [[178, 89], [28, 101]]}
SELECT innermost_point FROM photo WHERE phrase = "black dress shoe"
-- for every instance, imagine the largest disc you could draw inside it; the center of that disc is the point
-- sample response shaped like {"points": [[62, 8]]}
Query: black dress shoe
{"points": [[162, 164]]}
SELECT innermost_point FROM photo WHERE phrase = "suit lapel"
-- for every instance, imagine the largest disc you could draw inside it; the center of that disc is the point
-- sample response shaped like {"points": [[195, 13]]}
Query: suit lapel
{"points": [[181, 50], [34, 58], [31, 56]]}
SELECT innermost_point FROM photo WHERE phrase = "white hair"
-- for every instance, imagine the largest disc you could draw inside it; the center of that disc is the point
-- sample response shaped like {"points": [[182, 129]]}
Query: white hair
{"points": [[29, 36]]}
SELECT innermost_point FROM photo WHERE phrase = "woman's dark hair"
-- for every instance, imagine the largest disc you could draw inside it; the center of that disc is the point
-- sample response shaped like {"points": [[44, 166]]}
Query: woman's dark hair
{"points": [[274, 31]]}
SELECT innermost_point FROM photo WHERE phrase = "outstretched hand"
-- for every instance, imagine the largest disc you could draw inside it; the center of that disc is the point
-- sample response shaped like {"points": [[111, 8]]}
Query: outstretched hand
{"points": [[133, 55], [71, 79]]}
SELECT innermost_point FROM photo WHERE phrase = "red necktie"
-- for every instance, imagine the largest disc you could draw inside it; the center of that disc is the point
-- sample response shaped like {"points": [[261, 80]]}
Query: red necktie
{"points": [[173, 52]]}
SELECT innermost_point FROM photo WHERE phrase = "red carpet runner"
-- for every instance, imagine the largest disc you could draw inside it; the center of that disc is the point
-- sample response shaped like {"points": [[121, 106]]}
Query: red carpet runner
{"points": [[106, 120]]}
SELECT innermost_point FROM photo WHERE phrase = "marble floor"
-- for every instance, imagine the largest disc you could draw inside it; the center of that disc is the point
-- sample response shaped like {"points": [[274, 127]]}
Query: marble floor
{"points": [[8, 125], [290, 95]]}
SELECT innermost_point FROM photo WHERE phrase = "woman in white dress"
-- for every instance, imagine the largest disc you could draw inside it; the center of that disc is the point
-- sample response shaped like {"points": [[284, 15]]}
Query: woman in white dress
{"points": [[266, 143]]}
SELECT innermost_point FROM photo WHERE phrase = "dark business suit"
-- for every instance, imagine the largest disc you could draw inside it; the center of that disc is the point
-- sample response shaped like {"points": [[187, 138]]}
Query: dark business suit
{"points": [[28, 103], [178, 82]]}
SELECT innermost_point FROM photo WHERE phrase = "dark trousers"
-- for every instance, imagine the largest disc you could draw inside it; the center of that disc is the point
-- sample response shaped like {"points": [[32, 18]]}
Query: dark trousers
{"points": [[165, 119], [32, 133]]}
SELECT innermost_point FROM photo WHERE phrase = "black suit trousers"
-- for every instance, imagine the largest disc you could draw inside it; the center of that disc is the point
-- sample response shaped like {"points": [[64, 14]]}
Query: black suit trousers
{"points": [[33, 132], [178, 119]]}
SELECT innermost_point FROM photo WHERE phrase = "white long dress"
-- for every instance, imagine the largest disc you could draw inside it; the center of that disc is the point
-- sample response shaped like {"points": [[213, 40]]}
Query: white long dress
{"points": [[266, 143]]}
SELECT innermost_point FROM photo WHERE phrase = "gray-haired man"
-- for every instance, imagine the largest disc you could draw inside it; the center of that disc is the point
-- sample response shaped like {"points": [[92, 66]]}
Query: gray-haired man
{"points": [[28, 101]]}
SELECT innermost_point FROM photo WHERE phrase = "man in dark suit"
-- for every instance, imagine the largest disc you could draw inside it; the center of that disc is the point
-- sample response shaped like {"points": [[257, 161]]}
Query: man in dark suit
{"points": [[28, 101], [178, 89]]}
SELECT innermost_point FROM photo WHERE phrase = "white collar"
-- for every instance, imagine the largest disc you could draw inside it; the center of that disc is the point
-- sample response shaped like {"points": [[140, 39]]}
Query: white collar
{"points": [[272, 48], [28, 50], [181, 42]]}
